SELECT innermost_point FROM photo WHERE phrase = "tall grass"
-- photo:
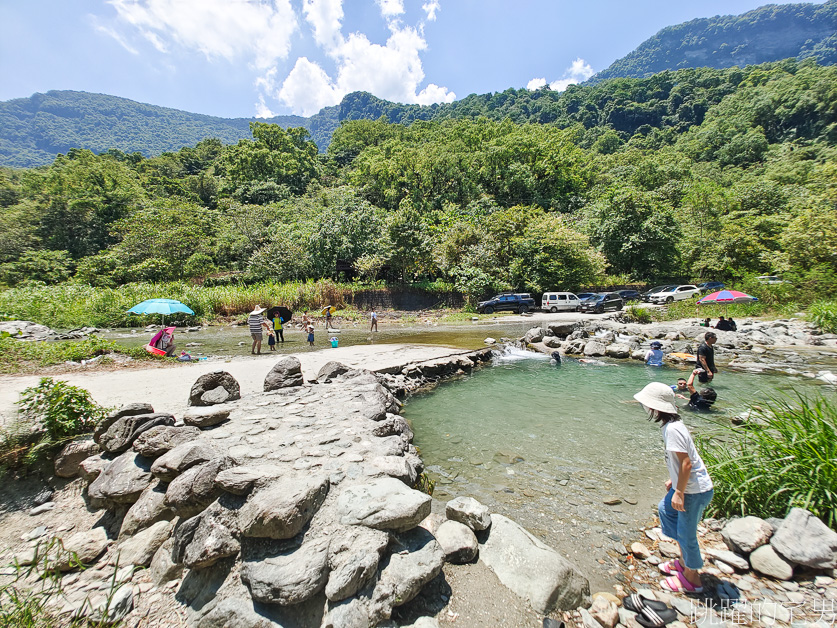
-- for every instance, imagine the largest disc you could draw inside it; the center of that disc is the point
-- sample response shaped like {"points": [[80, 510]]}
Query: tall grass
{"points": [[71, 305], [784, 457], [824, 315]]}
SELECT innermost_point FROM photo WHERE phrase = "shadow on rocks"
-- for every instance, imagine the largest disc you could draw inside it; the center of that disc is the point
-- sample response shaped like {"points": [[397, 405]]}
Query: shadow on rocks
{"points": [[717, 593], [430, 601], [200, 586]]}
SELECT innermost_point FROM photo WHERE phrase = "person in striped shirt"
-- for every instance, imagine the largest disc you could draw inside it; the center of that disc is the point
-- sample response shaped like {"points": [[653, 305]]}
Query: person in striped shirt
{"points": [[254, 322]]}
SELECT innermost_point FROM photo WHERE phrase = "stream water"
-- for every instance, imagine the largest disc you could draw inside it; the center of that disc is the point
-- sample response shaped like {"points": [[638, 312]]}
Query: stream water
{"points": [[548, 444]]}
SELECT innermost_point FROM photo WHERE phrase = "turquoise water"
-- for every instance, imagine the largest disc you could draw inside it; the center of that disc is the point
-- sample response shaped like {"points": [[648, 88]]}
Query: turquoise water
{"points": [[548, 444]]}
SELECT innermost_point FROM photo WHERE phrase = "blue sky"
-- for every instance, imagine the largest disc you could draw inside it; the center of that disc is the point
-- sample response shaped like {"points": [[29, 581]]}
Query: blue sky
{"points": [[239, 58]]}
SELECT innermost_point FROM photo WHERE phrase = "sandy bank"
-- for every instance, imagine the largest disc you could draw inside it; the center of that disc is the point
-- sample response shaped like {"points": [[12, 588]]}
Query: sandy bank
{"points": [[168, 388]]}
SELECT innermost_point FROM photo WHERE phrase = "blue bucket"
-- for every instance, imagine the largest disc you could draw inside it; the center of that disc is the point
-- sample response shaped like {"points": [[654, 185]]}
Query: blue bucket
{"points": [[334, 342]]}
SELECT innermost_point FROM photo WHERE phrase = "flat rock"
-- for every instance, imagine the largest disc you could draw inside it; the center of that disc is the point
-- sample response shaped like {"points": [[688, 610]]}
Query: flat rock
{"points": [[805, 540], [384, 504], [291, 578], [282, 509], [129, 409], [745, 534], [122, 481], [140, 549], [84, 547], [767, 562], [182, 458], [240, 480], [124, 431], [730, 558], [396, 467], [72, 455], [640, 551], [286, 373], [206, 416], [205, 391], [191, 492], [147, 510], [531, 569], [354, 554], [161, 439], [470, 512], [458, 541]]}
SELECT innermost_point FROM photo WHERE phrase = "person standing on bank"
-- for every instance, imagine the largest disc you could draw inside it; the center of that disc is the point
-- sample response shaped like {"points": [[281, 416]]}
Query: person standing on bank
{"points": [[706, 357], [254, 322], [373, 319], [278, 328], [689, 489]]}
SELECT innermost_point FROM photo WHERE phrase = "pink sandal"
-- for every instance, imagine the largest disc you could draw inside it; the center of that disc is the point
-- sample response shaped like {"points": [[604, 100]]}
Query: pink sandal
{"points": [[671, 567], [679, 584]]}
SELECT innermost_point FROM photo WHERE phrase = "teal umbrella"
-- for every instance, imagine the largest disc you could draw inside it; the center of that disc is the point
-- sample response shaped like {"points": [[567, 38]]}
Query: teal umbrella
{"points": [[161, 306]]}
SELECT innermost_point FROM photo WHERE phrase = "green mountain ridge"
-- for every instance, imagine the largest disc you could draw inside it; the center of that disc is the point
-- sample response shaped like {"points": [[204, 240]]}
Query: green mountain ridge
{"points": [[765, 34]]}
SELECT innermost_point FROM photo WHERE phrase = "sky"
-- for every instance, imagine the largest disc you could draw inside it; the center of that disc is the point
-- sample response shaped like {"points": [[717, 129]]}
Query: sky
{"points": [[244, 58]]}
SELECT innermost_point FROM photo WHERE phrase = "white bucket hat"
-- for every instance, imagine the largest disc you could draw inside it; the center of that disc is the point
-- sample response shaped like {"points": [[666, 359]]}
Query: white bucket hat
{"points": [[259, 309], [657, 396]]}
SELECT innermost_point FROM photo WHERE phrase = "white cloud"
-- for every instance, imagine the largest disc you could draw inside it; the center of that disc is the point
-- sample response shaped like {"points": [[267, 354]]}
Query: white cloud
{"points": [[307, 89], [535, 84], [579, 71], [116, 36], [391, 8], [325, 16], [431, 8], [259, 31]]}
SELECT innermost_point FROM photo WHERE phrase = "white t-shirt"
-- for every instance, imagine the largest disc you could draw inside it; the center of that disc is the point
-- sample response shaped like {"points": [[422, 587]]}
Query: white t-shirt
{"points": [[677, 438]]}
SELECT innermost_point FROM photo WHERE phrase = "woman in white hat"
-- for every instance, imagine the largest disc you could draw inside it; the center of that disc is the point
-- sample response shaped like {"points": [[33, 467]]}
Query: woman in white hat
{"points": [[255, 322], [689, 489]]}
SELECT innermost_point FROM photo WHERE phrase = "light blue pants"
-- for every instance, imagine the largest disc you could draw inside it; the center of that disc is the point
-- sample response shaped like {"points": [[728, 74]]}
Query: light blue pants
{"points": [[682, 526]]}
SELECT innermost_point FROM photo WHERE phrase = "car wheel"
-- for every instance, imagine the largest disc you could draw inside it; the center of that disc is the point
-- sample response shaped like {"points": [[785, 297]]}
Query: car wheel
{"points": [[669, 299], [523, 309], [577, 308], [553, 309], [488, 310], [600, 309], [618, 307]]}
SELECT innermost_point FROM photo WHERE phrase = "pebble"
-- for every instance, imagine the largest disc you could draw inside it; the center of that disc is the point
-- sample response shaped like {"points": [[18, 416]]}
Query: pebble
{"points": [[37, 510]]}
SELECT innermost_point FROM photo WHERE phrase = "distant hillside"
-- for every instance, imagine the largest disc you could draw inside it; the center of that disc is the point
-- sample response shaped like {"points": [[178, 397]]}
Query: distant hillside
{"points": [[769, 33], [34, 130]]}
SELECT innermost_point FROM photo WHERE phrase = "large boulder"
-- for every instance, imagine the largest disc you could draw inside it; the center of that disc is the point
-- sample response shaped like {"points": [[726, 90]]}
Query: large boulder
{"points": [[767, 562], [129, 409], [182, 458], [353, 557], [562, 329], [531, 569], [291, 578], [207, 538], [331, 370], [147, 510], [618, 350], [124, 431], [281, 510], [72, 455], [286, 373], [214, 388], [161, 439], [383, 504], [458, 542], [533, 335], [140, 549], [122, 481], [745, 534], [594, 348], [191, 492], [805, 540], [206, 416], [470, 512]]}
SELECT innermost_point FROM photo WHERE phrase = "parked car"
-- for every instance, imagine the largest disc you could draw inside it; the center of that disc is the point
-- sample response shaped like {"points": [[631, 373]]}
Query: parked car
{"points": [[646, 296], [675, 293], [560, 301], [519, 303], [602, 301], [629, 295], [769, 279], [710, 286]]}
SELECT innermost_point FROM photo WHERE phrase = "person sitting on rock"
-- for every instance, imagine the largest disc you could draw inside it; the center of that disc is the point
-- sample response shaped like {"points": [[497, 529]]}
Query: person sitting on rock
{"points": [[722, 324], [703, 400]]}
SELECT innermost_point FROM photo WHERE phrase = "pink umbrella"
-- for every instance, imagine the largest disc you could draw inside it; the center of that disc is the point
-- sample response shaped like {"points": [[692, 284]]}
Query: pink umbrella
{"points": [[727, 296]]}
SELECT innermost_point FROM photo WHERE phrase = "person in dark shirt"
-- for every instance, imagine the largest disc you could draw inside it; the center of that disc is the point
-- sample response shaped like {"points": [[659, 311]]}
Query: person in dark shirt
{"points": [[706, 357], [703, 400], [732, 324], [722, 324]]}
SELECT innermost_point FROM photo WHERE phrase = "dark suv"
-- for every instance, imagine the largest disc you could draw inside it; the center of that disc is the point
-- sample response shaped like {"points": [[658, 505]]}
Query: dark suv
{"points": [[601, 302], [519, 303]]}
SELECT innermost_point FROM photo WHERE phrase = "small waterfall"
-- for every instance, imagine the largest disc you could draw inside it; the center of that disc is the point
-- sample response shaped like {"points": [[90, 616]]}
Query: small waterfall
{"points": [[516, 354]]}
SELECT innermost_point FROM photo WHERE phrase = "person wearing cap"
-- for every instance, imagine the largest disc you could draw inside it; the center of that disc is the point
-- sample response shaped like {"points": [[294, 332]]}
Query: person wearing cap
{"points": [[654, 356], [255, 322], [689, 489]]}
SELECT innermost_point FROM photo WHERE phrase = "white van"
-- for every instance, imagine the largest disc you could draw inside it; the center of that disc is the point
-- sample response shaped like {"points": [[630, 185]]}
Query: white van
{"points": [[560, 301]]}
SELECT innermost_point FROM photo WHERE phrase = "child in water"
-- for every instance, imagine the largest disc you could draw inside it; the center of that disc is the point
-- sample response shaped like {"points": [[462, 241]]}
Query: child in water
{"points": [[310, 335], [654, 356]]}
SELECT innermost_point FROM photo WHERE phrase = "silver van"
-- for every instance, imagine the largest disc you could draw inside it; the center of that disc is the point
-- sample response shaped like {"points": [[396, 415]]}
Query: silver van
{"points": [[560, 301]]}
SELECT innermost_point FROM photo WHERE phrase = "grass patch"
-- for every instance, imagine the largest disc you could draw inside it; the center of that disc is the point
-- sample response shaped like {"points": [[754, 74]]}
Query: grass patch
{"points": [[823, 314], [19, 356], [637, 314], [784, 457]]}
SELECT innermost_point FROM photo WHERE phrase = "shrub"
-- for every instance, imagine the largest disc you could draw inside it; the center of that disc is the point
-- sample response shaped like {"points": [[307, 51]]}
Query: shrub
{"points": [[824, 315], [637, 314], [784, 457], [62, 409]]}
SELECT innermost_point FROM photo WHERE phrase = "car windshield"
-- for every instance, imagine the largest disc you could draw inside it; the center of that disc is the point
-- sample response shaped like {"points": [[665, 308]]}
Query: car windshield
{"points": [[597, 297]]}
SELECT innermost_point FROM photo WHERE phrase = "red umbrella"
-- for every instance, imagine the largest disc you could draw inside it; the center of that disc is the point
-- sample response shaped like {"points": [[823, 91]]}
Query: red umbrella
{"points": [[727, 296]]}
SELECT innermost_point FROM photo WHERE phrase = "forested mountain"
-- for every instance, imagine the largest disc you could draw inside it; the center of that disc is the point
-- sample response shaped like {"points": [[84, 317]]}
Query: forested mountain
{"points": [[769, 33], [34, 130]]}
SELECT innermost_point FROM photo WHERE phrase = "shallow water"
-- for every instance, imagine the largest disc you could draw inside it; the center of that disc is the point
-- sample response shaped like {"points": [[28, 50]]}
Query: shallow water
{"points": [[547, 444]]}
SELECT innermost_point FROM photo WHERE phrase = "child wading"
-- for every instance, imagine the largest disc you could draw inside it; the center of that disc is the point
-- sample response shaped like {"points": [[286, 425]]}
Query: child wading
{"points": [[689, 489]]}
